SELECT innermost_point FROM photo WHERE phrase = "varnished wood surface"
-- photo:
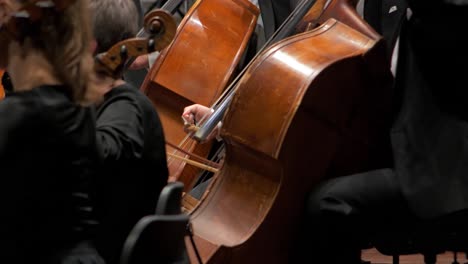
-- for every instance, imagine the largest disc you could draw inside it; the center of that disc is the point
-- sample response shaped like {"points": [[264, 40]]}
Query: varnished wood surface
{"points": [[260, 181], [195, 68], [375, 257]]}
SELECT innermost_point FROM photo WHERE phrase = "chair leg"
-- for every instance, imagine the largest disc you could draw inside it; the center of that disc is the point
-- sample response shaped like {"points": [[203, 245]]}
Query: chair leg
{"points": [[430, 258], [396, 259]]}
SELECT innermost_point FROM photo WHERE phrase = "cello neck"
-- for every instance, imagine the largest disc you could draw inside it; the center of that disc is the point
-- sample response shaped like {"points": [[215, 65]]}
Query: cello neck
{"points": [[170, 6]]}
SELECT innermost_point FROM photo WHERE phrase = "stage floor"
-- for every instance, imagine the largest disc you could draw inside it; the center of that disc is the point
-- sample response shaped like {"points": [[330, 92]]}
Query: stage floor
{"points": [[376, 258]]}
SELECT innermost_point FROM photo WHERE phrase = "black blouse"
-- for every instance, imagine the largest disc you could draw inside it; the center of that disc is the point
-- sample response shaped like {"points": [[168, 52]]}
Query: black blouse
{"points": [[47, 150], [134, 170]]}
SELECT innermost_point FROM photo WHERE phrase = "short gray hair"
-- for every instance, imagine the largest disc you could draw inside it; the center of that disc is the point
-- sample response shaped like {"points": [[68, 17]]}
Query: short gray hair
{"points": [[113, 21]]}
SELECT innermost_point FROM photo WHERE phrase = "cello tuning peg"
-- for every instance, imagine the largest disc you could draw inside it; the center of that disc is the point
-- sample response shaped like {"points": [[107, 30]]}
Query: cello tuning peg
{"points": [[155, 26], [151, 45], [123, 52]]}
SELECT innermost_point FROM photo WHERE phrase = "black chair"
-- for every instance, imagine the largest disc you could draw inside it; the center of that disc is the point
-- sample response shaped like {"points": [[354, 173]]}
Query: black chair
{"points": [[160, 238], [428, 238], [169, 202]]}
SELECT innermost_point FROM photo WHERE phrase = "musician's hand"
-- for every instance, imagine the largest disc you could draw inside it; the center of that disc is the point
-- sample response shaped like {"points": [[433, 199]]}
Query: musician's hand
{"points": [[195, 113], [141, 62]]}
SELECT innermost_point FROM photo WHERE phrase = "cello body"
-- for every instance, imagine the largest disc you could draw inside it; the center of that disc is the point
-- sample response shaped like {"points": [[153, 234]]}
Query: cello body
{"points": [[303, 105], [196, 68]]}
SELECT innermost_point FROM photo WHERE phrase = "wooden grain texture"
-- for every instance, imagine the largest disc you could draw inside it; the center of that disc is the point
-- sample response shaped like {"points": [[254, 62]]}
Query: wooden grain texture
{"points": [[375, 257]]}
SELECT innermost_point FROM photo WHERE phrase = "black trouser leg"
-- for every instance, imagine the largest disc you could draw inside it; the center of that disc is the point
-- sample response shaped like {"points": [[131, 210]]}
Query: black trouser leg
{"points": [[343, 213]]}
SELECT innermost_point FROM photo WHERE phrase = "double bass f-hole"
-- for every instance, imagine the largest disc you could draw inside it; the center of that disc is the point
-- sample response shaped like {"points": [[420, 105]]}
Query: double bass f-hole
{"points": [[159, 28]]}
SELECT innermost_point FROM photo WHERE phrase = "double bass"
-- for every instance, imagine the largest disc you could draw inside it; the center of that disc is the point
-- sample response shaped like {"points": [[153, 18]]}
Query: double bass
{"points": [[311, 106], [196, 67]]}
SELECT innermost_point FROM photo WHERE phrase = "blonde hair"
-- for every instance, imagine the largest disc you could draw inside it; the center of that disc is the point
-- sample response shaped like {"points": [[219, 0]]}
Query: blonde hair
{"points": [[65, 38]]}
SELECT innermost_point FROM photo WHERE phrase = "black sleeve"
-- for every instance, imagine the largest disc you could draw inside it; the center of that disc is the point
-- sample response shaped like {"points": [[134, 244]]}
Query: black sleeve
{"points": [[17, 121], [119, 131]]}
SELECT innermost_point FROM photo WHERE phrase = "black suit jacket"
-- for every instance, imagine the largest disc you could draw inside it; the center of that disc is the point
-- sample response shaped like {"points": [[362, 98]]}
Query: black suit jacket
{"points": [[430, 134], [274, 12]]}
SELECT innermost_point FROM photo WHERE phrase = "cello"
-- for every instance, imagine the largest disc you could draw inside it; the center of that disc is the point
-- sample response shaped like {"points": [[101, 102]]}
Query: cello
{"points": [[159, 28], [301, 108], [195, 68]]}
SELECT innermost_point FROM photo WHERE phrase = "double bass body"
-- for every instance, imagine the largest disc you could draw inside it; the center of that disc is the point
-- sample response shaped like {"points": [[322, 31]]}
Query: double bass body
{"points": [[196, 67], [298, 110]]}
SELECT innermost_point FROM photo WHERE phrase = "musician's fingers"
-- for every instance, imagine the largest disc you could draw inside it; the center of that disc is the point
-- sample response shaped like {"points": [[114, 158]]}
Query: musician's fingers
{"points": [[187, 119]]}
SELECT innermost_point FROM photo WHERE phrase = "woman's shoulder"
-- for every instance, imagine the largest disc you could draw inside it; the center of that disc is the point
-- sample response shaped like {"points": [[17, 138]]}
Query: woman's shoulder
{"points": [[130, 94], [29, 112], [49, 107]]}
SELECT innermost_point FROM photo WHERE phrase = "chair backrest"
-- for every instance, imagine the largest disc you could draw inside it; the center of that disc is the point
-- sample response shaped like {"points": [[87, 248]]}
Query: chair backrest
{"points": [[160, 238], [157, 239], [169, 202]]}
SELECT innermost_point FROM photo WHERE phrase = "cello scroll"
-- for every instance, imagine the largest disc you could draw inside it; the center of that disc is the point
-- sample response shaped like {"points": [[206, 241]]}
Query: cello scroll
{"points": [[160, 28]]}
